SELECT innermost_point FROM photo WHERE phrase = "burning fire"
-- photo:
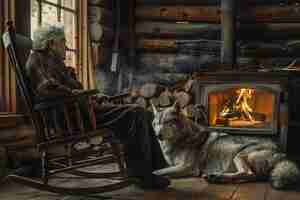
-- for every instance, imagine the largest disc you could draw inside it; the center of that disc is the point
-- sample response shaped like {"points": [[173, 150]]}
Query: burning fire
{"points": [[240, 106], [245, 95]]}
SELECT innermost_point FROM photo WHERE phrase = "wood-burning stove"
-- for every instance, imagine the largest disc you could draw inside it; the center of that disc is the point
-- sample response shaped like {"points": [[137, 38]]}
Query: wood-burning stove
{"points": [[249, 103], [243, 108]]}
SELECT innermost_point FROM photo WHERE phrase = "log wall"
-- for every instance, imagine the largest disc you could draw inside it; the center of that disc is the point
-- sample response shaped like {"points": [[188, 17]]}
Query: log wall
{"points": [[265, 29], [183, 36]]}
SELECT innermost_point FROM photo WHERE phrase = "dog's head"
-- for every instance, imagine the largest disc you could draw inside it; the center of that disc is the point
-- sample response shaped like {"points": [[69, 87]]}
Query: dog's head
{"points": [[172, 126]]}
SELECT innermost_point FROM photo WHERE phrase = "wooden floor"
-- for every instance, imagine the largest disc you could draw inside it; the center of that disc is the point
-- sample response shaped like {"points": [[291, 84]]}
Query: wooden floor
{"points": [[181, 189]]}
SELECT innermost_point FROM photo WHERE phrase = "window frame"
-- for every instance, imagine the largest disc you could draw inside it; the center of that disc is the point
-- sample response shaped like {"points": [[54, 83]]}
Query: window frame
{"points": [[75, 12], [84, 64], [7, 75]]}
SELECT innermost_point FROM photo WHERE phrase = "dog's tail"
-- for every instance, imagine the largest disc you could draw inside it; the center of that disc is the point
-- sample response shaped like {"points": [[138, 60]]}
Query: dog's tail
{"points": [[285, 175]]}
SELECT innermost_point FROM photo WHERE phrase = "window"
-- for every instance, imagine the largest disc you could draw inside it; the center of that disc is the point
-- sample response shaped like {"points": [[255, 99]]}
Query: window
{"points": [[58, 12], [72, 14]]}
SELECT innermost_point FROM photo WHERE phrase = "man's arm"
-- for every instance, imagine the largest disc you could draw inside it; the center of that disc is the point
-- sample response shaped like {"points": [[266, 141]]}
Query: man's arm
{"points": [[51, 88], [45, 84], [70, 78]]}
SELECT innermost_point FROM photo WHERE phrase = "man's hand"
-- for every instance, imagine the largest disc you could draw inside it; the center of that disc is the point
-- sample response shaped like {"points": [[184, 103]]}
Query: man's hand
{"points": [[76, 91], [102, 99]]}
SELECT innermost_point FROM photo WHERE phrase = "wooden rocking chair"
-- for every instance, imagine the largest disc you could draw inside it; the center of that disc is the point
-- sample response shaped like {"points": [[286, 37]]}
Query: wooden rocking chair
{"points": [[51, 136]]}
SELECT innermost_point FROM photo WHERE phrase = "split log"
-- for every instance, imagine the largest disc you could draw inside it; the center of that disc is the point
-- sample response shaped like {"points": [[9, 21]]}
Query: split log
{"points": [[141, 102], [211, 14], [128, 100], [165, 79], [149, 90], [165, 98], [182, 98], [270, 31], [134, 92], [188, 85]]}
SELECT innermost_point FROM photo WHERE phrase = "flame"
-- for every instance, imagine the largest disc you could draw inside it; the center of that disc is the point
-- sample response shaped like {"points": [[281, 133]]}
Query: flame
{"points": [[245, 95], [240, 105]]}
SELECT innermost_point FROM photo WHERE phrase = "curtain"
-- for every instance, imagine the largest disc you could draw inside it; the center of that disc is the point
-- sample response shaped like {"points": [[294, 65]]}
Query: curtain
{"points": [[86, 67], [7, 75]]}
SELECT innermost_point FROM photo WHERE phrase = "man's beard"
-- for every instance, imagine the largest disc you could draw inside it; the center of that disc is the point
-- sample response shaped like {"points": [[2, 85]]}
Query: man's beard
{"points": [[59, 52]]}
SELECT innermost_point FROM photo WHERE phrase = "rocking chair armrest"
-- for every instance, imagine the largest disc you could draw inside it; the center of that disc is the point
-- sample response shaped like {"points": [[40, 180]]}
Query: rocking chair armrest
{"points": [[49, 103]]}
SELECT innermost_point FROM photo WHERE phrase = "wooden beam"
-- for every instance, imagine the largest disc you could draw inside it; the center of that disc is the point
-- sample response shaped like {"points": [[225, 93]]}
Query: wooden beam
{"points": [[211, 14], [270, 14], [213, 47], [189, 63], [179, 13], [191, 30], [178, 2], [213, 2], [267, 31]]}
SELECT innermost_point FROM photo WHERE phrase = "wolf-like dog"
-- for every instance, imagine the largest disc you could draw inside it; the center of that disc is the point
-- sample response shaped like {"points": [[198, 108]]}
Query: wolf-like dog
{"points": [[219, 157]]}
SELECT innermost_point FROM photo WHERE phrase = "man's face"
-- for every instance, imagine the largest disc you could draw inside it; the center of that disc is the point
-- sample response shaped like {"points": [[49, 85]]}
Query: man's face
{"points": [[58, 46]]}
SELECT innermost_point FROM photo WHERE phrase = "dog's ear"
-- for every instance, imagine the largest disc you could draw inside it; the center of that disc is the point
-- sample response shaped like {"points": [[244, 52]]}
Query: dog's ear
{"points": [[153, 108], [176, 106]]}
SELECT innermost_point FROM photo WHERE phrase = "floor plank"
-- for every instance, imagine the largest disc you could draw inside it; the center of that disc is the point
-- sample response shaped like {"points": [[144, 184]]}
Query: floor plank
{"points": [[180, 189], [249, 191], [283, 195], [193, 189]]}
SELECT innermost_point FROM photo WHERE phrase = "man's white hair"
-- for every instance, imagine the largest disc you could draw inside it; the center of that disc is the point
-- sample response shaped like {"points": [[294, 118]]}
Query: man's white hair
{"points": [[43, 35]]}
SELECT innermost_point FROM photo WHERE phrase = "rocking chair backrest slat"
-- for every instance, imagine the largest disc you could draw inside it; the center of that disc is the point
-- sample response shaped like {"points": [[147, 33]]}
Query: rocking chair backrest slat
{"points": [[18, 48]]}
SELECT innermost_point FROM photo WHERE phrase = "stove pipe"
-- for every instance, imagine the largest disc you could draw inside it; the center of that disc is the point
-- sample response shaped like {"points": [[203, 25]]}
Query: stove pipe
{"points": [[228, 21]]}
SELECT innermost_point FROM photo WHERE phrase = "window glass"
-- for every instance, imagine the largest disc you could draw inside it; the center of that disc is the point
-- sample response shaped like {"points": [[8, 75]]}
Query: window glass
{"points": [[56, 15]]}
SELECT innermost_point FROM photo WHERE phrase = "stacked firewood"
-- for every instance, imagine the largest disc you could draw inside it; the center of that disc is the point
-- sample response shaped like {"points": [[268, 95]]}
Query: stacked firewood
{"points": [[162, 96]]}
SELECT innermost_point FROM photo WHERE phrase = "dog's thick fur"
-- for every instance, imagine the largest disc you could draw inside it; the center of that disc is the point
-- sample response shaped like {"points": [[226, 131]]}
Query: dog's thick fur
{"points": [[191, 150]]}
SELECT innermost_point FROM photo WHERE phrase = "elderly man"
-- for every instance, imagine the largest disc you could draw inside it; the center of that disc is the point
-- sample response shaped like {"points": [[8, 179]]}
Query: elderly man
{"points": [[132, 125]]}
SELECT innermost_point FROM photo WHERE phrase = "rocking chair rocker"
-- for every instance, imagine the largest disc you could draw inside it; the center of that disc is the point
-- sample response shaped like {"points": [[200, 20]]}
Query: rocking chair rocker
{"points": [[50, 134]]}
